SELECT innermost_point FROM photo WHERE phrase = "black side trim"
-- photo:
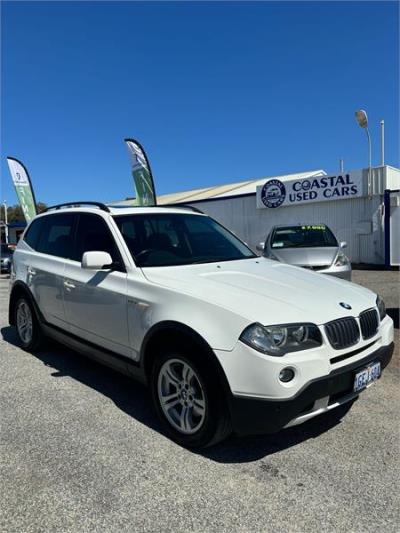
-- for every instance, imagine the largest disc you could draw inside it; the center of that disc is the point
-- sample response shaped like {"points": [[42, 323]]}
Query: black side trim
{"points": [[98, 353], [103, 355]]}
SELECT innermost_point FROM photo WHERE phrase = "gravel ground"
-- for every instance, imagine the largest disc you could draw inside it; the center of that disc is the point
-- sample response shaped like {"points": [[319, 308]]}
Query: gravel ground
{"points": [[81, 451]]}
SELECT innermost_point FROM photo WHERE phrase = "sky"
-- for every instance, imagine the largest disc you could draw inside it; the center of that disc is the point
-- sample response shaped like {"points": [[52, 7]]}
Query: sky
{"points": [[216, 92]]}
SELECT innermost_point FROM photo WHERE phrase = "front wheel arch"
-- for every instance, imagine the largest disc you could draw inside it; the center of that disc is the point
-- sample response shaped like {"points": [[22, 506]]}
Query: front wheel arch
{"points": [[175, 334]]}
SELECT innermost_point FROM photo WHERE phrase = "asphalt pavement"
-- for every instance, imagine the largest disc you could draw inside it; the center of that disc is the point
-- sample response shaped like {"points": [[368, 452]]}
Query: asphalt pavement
{"points": [[81, 450]]}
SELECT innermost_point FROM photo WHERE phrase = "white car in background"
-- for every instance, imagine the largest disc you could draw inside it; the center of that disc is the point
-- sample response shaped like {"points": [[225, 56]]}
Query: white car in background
{"points": [[227, 341]]}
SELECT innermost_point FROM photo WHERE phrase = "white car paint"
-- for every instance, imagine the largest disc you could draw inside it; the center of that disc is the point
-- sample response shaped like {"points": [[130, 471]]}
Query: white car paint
{"points": [[115, 309]]}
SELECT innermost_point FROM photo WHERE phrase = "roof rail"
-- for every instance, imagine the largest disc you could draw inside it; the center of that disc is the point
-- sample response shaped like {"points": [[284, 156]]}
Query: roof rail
{"points": [[160, 206], [100, 205], [182, 206]]}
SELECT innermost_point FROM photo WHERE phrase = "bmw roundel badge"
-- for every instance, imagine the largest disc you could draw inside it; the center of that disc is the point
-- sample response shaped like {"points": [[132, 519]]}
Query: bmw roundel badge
{"points": [[346, 306]]}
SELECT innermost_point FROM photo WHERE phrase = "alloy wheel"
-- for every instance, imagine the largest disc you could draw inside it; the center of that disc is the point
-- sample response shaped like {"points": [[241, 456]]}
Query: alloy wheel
{"points": [[181, 396], [24, 322]]}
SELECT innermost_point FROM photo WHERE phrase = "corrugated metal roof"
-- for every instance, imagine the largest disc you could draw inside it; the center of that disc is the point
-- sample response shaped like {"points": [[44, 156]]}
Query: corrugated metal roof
{"points": [[221, 191]]}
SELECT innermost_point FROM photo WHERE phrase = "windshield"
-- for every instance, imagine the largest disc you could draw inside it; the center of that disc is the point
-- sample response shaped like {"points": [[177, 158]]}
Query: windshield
{"points": [[311, 236], [168, 239]]}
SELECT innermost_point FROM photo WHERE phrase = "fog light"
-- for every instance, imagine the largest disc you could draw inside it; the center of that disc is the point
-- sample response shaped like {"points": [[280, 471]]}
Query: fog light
{"points": [[286, 374]]}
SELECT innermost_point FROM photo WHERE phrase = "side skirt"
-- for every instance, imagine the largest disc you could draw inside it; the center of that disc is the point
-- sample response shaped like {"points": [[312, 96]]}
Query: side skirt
{"points": [[106, 357]]}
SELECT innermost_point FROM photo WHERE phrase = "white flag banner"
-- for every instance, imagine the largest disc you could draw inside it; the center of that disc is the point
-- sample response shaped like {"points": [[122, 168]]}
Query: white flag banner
{"points": [[23, 188]]}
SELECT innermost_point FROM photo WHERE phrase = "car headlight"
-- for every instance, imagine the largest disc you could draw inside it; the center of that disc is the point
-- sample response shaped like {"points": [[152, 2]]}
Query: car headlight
{"points": [[279, 340], [380, 304], [341, 260]]}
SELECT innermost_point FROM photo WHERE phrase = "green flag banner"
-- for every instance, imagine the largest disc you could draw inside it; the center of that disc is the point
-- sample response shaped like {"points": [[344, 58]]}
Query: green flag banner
{"points": [[142, 176], [23, 188]]}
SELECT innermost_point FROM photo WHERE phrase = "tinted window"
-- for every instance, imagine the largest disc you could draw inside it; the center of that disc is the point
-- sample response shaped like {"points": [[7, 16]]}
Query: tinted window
{"points": [[307, 236], [56, 236], [179, 239], [5, 250], [33, 232], [93, 235]]}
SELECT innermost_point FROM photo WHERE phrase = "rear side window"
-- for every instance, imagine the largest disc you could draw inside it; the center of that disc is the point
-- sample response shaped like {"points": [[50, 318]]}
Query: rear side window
{"points": [[56, 235], [93, 235], [32, 234]]}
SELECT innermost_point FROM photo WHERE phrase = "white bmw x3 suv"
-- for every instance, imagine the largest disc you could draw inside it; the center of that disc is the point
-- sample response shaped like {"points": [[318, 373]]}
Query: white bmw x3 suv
{"points": [[227, 341]]}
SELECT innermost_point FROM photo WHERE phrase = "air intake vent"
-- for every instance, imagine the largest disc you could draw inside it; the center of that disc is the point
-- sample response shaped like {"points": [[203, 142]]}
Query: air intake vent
{"points": [[343, 332], [369, 323]]}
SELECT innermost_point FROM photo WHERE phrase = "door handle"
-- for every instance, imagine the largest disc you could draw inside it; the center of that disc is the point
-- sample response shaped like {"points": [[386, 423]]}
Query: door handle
{"points": [[69, 285]]}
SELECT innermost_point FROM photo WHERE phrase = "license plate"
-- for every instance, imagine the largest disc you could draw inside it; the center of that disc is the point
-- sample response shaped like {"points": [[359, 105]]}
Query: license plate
{"points": [[367, 376]]}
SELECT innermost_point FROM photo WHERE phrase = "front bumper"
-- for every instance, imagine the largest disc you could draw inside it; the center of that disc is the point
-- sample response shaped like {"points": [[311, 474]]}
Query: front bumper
{"points": [[251, 416], [342, 272]]}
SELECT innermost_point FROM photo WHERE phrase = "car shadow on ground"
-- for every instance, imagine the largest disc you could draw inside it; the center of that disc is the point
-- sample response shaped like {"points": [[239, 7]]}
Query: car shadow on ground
{"points": [[134, 399]]}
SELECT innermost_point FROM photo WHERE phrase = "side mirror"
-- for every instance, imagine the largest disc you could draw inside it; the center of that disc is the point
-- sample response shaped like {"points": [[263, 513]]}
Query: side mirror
{"points": [[260, 246], [96, 260], [343, 244]]}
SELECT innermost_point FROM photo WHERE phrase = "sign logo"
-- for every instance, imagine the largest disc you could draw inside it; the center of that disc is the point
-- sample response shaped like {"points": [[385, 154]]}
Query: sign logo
{"points": [[346, 306], [318, 188], [273, 193]]}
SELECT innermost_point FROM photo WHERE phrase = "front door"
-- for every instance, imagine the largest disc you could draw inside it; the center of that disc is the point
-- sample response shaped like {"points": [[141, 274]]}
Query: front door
{"points": [[96, 300]]}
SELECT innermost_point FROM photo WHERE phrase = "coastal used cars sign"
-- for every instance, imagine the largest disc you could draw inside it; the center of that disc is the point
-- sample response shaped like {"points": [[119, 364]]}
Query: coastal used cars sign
{"points": [[276, 193]]}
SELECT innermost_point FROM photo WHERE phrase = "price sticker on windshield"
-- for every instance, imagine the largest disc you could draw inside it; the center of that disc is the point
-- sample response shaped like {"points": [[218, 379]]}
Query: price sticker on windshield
{"points": [[315, 227]]}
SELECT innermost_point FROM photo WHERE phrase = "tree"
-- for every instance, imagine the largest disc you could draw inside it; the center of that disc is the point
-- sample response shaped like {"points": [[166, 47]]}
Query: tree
{"points": [[15, 214]]}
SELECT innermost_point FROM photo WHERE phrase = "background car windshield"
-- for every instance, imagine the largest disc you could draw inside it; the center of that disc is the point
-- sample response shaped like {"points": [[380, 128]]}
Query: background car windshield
{"points": [[303, 237], [179, 239]]}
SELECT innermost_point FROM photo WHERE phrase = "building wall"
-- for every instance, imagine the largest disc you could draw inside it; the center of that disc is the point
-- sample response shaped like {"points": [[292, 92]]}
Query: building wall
{"points": [[358, 221]]}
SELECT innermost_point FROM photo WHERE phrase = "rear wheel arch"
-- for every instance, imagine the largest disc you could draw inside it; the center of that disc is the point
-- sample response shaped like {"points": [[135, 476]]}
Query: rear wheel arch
{"points": [[24, 314], [19, 290]]}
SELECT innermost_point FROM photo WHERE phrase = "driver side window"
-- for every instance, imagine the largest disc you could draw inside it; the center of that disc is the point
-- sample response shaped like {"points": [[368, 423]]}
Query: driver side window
{"points": [[93, 235]]}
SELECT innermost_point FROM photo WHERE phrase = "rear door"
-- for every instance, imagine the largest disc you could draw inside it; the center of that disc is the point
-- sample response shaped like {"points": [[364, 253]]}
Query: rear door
{"points": [[96, 300], [50, 240]]}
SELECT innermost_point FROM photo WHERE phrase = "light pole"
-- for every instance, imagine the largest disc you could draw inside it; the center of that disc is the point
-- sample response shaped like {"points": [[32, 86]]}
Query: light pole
{"points": [[382, 143], [362, 119], [5, 221]]}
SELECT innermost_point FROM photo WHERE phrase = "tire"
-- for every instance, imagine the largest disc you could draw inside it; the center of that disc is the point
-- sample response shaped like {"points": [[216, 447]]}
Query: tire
{"points": [[189, 400], [29, 332]]}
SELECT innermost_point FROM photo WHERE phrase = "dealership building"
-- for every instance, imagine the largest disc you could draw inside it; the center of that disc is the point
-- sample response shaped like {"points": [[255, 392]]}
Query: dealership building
{"points": [[352, 204]]}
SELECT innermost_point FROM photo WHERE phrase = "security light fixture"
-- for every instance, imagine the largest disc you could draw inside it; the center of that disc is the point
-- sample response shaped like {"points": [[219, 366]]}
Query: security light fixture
{"points": [[362, 118]]}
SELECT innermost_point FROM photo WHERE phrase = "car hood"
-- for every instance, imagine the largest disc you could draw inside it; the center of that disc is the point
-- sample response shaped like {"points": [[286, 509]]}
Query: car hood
{"points": [[323, 256], [266, 291]]}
